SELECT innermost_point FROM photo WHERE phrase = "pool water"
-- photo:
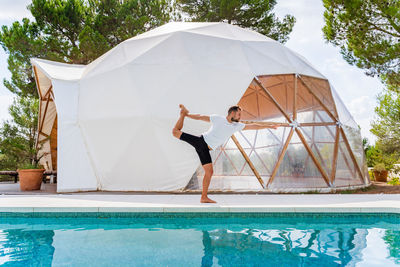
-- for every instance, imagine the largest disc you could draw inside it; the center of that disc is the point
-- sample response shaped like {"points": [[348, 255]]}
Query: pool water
{"points": [[182, 239]]}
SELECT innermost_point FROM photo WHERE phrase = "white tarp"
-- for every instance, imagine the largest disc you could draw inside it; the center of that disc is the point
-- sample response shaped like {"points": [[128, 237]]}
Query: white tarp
{"points": [[116, 114]]}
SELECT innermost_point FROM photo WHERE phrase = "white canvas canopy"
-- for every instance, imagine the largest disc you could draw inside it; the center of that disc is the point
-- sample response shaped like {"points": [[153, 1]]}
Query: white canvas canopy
{"points": [[110, 122]]}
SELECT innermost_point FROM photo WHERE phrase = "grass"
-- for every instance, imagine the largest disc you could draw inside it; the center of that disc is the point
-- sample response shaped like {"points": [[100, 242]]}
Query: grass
{"points": [[352, 191], [6, 178], [311, 192], [347, 191]]}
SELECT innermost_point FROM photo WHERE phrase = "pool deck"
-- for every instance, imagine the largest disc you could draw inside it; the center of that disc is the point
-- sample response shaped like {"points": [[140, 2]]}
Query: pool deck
{"points": [[125, 202]]}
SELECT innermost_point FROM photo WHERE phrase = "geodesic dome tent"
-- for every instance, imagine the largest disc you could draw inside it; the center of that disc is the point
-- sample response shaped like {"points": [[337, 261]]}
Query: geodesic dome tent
{"points": [[110, 121]]}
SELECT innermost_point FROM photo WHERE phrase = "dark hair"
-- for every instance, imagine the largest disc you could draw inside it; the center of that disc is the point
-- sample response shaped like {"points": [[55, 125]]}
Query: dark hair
{"points": [[233, 109]]}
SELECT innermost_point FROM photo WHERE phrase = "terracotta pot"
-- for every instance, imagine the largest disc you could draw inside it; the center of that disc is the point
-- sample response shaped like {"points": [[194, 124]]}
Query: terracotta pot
{"points": [[30, 179], [381, 176]]}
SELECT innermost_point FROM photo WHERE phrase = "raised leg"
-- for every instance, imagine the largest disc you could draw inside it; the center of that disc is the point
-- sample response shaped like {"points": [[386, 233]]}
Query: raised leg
{"points": [[208, 168], [176, 131]]}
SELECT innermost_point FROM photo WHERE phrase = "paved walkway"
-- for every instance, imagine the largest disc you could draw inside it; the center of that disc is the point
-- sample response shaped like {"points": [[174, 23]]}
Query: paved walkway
{"points": [[13, 188], [104, 202]]}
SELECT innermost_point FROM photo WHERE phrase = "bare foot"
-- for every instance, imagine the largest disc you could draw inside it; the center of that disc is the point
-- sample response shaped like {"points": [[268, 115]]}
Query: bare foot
{"points": [[207, 200], [184, 110]]}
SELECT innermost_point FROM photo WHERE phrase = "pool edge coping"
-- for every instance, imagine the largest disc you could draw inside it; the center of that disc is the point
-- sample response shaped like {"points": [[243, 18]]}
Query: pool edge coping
{"points": [[205, 209]]}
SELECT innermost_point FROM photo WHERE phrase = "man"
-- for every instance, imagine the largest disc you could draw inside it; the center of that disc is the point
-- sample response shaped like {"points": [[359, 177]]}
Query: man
{"points": [[222, 128]]}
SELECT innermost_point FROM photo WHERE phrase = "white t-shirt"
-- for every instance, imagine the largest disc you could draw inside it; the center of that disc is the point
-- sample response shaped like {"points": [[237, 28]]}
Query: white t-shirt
{"points": [[220, 130]]}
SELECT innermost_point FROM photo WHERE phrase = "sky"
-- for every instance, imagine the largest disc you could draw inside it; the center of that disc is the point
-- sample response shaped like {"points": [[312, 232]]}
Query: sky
{"points": [[10, 11], [357, 90]]}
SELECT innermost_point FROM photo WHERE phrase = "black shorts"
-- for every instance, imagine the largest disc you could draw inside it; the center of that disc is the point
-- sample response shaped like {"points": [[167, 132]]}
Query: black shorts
{"points": [[200, 145]]}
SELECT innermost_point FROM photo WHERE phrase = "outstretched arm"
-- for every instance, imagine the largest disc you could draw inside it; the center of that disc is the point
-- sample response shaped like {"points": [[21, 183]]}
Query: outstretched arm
{"points": [[199, 117], [257, 126]]}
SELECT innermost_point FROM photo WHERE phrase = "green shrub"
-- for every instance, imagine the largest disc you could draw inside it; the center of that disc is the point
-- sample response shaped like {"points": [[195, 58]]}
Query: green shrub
{"points": [[30, 166], [379, 167], [394, 181], [371, 175]]}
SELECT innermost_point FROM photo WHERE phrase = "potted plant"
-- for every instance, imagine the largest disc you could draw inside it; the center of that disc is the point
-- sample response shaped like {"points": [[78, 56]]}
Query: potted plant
{"points": [[380, 172], [298, 169], [30, 176]]}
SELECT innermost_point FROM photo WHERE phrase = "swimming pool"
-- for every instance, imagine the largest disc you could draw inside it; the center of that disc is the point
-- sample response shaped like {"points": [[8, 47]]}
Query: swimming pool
{"points": [[199, 239]]}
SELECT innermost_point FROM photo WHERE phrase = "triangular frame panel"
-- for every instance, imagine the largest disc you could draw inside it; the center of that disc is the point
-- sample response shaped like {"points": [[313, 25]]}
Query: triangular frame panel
{"points": [[279, 99]]}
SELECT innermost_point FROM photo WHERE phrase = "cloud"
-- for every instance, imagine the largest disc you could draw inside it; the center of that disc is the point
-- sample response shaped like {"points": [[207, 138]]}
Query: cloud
{"points": [[361, 109], [12, 10], [359, 106]]}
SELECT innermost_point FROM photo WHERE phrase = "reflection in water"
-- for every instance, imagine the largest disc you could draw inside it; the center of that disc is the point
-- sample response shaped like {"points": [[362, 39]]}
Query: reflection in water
{"points": [[289, 247], [207, 259], [279, 241], [392, 238], [27, 247]]}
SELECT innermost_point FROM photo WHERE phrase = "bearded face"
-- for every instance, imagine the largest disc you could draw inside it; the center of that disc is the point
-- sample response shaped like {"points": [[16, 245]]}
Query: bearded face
{"points": [[236, 116]]}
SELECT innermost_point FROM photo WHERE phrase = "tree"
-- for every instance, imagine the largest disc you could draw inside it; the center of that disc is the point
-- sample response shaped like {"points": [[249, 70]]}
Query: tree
{"points": [[375, 155], [17, 136], [74, 31], [368, 34], [366, 145], [87, 29], [254, 14], [386, 126], [22, 41], [71, 31]]}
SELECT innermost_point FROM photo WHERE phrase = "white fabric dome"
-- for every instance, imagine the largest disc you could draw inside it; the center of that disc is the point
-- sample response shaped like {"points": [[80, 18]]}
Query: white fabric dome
{"points": [[115, 115]]}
